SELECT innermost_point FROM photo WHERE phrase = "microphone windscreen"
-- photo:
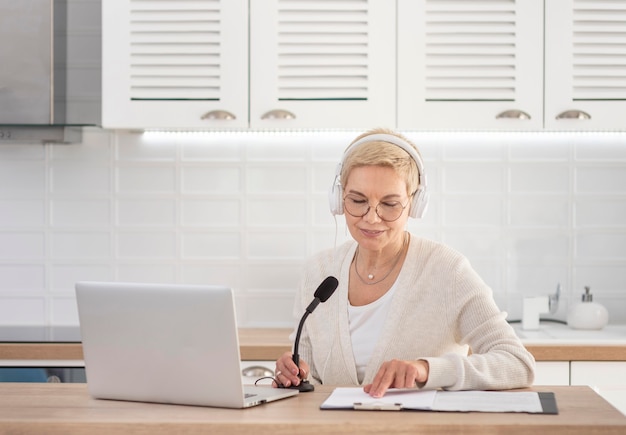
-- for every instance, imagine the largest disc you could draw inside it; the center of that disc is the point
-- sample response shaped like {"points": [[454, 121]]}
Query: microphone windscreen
{"points": [[326, 288]]}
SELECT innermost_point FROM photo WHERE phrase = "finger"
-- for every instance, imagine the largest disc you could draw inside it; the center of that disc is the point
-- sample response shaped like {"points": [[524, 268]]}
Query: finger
{"points": [[383, 379]]}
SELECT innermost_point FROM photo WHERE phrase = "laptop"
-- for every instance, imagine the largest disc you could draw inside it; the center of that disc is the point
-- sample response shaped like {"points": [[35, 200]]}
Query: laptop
{"points": [[163, 343]]}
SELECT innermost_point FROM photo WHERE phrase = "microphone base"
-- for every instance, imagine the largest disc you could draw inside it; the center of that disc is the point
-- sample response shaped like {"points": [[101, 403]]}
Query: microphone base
{"points": [[303, 387]]}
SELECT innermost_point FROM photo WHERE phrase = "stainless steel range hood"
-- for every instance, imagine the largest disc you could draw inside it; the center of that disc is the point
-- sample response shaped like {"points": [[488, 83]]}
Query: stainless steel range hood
{"points": [[48, 92]]}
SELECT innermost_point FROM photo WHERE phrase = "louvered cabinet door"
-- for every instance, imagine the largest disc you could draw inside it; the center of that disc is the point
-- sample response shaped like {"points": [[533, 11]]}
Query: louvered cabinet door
{"points": [[470, 65], [322, 64], [175, 64], [585, 65]]}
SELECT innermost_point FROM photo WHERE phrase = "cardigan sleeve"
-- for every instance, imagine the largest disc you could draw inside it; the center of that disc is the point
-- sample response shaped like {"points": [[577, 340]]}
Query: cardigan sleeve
{"points": [[498, 360]]}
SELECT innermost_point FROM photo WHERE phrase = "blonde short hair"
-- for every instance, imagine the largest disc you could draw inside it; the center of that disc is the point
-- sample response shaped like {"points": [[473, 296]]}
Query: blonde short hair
{"points": [[381, 153]]}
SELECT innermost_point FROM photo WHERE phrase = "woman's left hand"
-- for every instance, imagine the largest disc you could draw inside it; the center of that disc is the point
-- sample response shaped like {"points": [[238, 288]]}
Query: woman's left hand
{"points": [[397, 374]]}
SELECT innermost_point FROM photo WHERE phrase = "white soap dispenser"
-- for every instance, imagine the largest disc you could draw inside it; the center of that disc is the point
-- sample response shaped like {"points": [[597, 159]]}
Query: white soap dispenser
{"points": [[587, 314]]}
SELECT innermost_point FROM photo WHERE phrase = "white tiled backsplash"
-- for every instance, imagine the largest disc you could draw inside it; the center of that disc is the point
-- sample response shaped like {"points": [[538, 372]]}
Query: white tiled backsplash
{"points": [[246, 210]]}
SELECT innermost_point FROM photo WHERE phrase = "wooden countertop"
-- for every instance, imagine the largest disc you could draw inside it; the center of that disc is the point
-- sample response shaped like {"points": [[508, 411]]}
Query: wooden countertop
{"points": [[68, 409], [267, 344]]}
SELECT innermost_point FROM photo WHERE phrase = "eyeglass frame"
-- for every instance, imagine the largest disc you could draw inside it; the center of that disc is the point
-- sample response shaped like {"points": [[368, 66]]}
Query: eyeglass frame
{"points": [[369, 207]]}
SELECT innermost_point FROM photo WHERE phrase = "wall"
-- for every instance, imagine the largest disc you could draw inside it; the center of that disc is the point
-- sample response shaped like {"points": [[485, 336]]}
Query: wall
{"points": [[245, 210]]}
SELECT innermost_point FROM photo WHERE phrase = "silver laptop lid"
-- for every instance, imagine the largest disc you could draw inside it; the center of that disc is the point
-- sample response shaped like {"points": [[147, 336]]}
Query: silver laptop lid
{"points": [[160, 343]]}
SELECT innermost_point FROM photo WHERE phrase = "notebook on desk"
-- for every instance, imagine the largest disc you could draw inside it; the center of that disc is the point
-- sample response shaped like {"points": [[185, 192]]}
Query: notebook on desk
{"points": [[164, 343]]}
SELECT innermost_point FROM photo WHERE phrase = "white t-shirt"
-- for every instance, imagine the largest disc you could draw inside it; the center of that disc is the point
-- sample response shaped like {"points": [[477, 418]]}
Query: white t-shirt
{"points": [[366, 324]]}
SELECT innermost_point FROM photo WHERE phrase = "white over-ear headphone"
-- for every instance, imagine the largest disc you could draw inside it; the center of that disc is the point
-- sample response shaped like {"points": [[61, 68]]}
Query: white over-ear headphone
{"points": [[420, 197]]}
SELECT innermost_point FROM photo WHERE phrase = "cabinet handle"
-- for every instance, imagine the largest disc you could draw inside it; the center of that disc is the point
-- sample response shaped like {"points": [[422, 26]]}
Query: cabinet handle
{"points": [[220, 115], [573, 114], [278, 114], [513, 114]]}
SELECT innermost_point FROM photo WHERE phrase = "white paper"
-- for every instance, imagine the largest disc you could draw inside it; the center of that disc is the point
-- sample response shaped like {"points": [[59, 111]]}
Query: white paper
{"points": [[488, 401], [432, 400], [348, 397]]}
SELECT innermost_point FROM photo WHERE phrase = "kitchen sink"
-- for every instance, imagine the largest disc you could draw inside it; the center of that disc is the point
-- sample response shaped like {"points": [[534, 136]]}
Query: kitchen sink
{"points": [[549, 332]]}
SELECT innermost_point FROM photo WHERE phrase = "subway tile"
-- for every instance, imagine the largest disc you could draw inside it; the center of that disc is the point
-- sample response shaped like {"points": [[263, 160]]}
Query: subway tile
{"points": [[16, 311], [600, 212], [321, 211], [538, 247], [534, 150], [137, 212], [17, 152], [266, 245], [68, 177], [95, 147], [210, 212], [230, 275], [323, 177], [265, 309], [326, 239], [77, 213], [22, 277], [80, 245], [64, 276], [216, 245], [600, 245], [226, 148], [608, 277], [539, 211], [475, 178], [277, 149], [272, 276], [143, 271], [539, 178], [146, 244], [537, 279], [472, 210], [276, 179], [19, 213], [147, 180], [137, 147], [213, 179], [246, 210], [22, 177], [478, 243], [610, 148], [474, 149], [64, 311], [22, 245], [602, 179], [274, 212]]}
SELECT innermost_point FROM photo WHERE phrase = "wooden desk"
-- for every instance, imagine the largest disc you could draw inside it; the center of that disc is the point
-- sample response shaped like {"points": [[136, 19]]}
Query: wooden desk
{"points": [[68, 409]]}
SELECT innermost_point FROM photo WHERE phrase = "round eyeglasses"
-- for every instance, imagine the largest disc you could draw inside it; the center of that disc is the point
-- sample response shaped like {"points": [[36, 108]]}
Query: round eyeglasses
{"points": [[387, 211]]}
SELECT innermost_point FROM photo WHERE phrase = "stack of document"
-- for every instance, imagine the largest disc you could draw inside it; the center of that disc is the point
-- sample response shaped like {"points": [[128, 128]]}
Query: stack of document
{"points": [[432, 400]]}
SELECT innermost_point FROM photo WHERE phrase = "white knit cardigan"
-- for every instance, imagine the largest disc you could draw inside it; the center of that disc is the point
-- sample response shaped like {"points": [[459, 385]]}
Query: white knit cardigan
{"points": [[440, 310]]}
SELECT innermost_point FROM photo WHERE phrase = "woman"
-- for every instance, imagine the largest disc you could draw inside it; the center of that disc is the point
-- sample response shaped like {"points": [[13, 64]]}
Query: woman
{"points": [[408, 311]]}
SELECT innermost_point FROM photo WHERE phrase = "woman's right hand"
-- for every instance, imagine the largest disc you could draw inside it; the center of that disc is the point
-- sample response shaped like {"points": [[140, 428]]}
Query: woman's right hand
{"points": [[287, 373]]}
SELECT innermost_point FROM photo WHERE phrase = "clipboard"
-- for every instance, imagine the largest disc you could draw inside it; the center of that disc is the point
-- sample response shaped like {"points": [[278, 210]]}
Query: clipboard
{"points": [[443, 401]]}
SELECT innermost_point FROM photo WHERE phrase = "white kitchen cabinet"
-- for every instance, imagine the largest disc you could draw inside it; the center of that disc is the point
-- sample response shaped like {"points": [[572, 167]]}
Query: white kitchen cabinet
{"points": [[322, 64], [169, 64], [470, 65], [608, 378], [552, 373], [184, 65], [489, 66], [585, 55]]}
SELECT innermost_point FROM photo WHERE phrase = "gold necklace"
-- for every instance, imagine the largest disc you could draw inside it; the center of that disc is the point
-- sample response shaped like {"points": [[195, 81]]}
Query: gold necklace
{"points": [[370, 276]]}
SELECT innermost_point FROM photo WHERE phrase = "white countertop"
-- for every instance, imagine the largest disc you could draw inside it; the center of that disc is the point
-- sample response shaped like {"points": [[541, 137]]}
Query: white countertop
{"points": [[559, 334]]}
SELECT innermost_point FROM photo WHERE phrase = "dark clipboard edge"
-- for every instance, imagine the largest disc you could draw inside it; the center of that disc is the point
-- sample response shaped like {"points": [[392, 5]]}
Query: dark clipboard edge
{"points": [[548, 403]]}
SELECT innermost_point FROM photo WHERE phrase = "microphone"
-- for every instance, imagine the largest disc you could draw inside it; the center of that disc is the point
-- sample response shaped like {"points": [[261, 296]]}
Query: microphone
{"points": [[323, 292]]}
